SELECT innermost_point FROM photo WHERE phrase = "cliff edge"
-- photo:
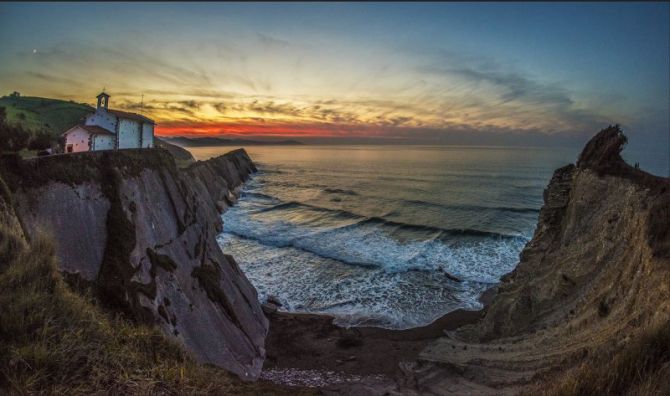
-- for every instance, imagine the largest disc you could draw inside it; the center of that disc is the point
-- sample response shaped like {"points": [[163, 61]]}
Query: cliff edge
{"points": [[592, 283], [141, 235]]}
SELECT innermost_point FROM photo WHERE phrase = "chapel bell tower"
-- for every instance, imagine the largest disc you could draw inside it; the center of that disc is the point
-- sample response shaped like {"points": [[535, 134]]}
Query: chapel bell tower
{"points": [[103, 100]]}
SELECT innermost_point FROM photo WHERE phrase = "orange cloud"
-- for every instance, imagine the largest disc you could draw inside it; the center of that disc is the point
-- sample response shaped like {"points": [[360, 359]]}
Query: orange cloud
{"points": [[181, 128]]}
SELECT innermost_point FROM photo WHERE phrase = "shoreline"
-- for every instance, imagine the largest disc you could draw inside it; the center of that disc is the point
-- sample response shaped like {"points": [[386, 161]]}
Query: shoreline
{"points": [[306, 341]]}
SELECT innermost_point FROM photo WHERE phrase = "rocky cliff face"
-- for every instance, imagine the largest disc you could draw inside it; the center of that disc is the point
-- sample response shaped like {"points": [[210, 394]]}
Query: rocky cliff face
{"points": [[142, 235], [595, 275]]}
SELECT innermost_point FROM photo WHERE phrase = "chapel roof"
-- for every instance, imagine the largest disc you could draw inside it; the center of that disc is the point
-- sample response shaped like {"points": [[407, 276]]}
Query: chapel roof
{"points": [[92, 129], [132, 116]]}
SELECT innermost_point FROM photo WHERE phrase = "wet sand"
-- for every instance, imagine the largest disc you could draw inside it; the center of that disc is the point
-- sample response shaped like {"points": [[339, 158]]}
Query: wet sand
{"points": [[313, 342]]}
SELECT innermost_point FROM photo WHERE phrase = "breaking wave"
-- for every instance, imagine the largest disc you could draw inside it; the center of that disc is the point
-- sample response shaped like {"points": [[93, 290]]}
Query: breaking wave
{"points": [[474, 255], [391, 238]]}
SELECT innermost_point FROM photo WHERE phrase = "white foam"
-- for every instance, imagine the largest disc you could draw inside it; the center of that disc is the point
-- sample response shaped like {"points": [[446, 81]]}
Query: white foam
{"points": [[306, 282], [481, 259], [362, 272]]}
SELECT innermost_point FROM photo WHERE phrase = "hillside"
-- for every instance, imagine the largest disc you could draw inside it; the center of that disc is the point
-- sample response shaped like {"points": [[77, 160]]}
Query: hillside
{"points": [[56, 116], [35, 113]]}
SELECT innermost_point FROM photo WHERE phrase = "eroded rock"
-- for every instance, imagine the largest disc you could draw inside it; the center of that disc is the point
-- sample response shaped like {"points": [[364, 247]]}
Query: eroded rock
{"points": [[143, 233]]}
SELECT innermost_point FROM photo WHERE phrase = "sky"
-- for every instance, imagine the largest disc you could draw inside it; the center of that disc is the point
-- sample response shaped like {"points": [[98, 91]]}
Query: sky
{"points": [[427, 73]]}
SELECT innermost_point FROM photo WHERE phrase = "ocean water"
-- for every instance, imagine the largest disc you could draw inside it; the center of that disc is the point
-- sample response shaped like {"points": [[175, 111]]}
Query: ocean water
{"points": [[375, 234]]}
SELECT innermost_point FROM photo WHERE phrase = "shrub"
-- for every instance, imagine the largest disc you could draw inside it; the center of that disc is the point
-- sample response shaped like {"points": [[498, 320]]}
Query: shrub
{"points": [[12, 138], [41, 141]]}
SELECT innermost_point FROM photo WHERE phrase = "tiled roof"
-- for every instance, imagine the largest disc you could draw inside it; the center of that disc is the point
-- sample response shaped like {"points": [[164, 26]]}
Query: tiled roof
{"points": [[132, 116], [93, 129]]}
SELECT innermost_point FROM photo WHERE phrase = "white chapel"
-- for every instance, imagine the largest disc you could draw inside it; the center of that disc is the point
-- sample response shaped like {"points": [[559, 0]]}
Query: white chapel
{"points": [[108, 129]]}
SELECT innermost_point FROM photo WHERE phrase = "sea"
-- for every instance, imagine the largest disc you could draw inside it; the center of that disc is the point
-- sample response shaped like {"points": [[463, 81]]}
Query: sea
{"points": [[386, 236]]}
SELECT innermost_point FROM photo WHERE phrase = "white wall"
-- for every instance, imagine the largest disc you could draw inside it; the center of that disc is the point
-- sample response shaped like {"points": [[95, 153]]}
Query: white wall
{"points": [[147, 135], [132, 134], [102, 118], [78, 138], [129, 133], [103, 142]]}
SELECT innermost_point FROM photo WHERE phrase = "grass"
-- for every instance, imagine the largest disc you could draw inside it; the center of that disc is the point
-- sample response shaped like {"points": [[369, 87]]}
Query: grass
{"points": [[57, 116], [640, 368], [56, 341], [34, 113]]}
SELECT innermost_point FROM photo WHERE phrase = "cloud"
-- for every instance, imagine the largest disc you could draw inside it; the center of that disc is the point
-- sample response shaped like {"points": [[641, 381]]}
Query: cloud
{"points": [[270, 107], [442, 94], [220, 107], [52, 78], [489, 94], [271, 41], [191, 104], [517, 87]]}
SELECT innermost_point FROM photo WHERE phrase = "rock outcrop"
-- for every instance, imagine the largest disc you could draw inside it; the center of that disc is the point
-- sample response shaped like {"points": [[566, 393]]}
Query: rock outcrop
{"points": [[141, 234], [595, 275]]}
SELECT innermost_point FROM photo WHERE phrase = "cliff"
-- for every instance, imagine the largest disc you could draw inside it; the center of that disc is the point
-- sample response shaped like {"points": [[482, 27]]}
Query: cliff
{"points": [[181, 155], [592, 283], [141, 234]]}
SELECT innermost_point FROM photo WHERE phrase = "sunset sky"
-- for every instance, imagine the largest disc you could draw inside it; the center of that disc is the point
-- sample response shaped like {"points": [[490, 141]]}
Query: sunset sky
{"points": [[419, 73]]}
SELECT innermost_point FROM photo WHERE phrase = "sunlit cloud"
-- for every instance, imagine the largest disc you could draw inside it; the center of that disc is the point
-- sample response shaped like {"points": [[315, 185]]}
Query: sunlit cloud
{"points": [[219, 76]]}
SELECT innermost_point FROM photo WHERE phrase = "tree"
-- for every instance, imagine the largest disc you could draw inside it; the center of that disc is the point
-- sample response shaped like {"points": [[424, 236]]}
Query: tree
{"points": [[12, 138], [20, 138], [41, 141]]}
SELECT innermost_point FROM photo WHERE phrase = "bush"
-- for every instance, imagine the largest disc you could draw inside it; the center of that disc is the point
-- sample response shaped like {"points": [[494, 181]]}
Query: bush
{"points": [[41, 141], [11, 138]]}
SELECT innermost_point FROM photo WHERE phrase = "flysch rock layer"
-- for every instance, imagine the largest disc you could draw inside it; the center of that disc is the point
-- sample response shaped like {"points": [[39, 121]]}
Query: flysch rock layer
{"points": [[595, 275], [142, 234]]}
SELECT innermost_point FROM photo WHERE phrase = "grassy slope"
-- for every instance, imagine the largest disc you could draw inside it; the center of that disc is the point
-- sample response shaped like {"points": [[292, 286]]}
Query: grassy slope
{"points": [[54, 115], [57, 116], [56, 341]]}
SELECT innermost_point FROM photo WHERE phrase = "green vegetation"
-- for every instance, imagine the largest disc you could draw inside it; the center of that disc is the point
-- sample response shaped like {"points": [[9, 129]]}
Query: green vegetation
{"points": [[56, 341], [51, 116], [12, 138], [36, 123], [33, 123]]}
